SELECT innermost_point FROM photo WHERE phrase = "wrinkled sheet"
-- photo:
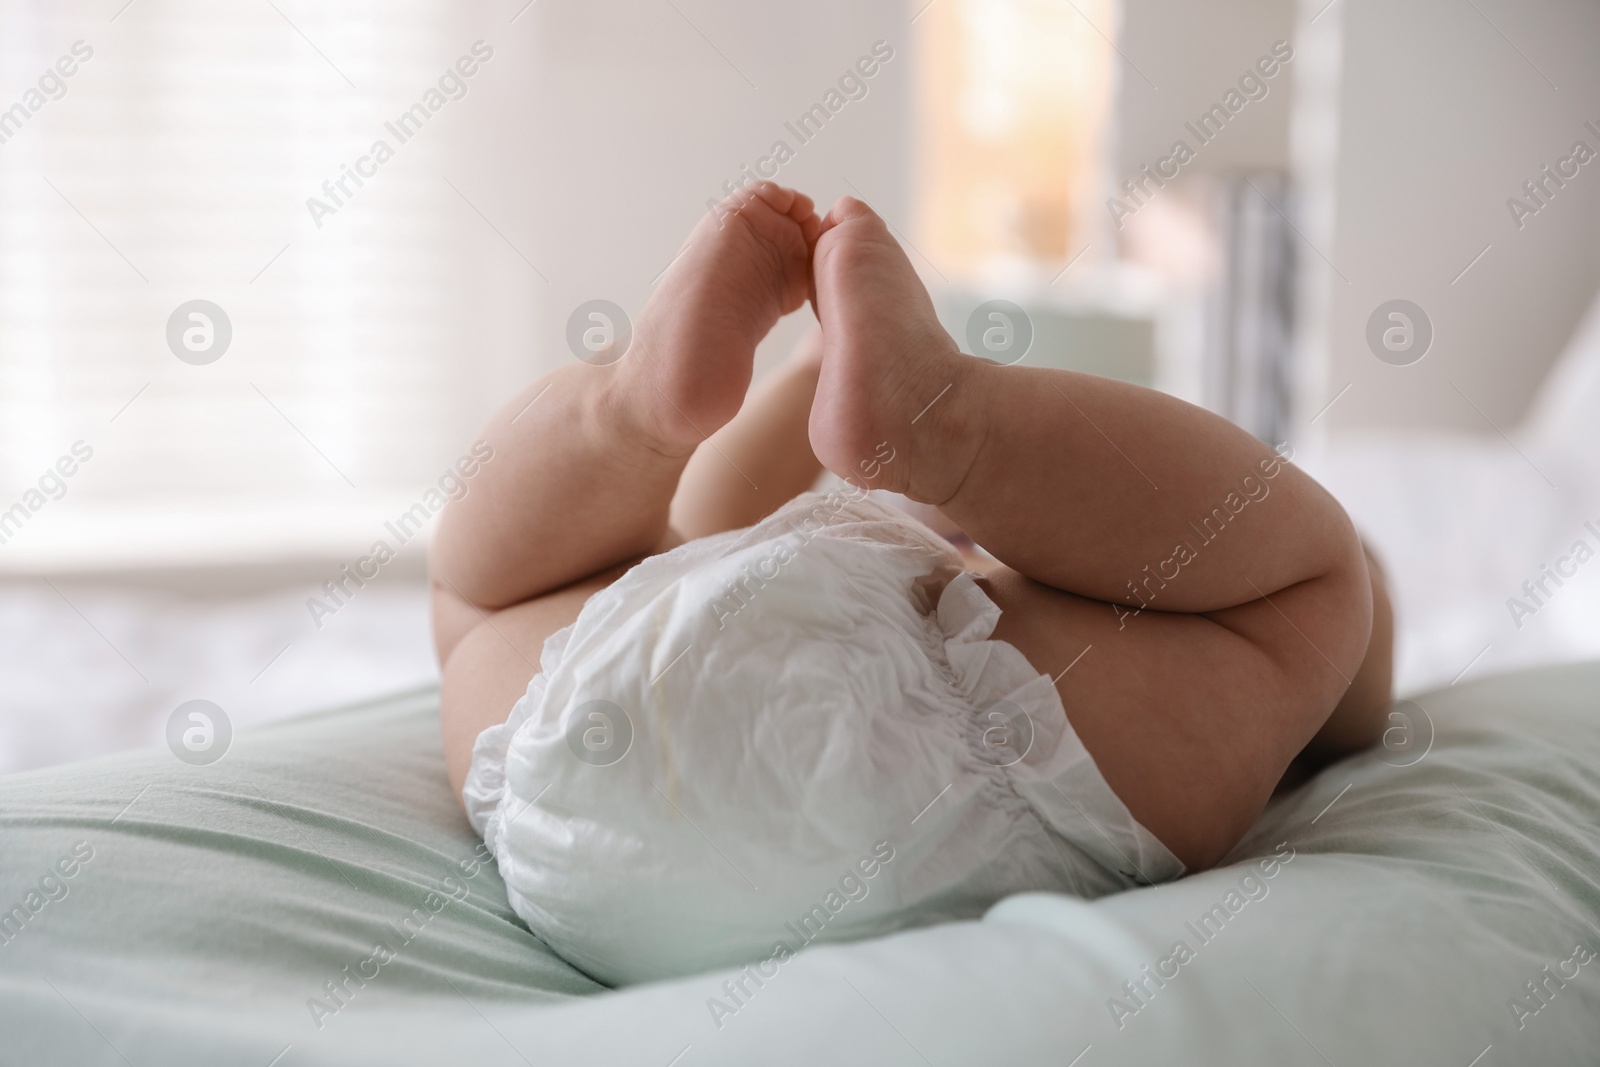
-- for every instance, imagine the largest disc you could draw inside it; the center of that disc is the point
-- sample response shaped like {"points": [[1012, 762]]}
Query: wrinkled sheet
{"points": [[1417, 904]]}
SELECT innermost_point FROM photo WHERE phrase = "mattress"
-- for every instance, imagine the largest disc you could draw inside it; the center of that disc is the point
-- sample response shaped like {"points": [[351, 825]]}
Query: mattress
{"points": [[317, 897]]}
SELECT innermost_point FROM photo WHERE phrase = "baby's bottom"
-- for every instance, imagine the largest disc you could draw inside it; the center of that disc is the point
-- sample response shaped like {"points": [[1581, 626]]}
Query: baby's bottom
{"points": [[1202, 606], [797, 731]]}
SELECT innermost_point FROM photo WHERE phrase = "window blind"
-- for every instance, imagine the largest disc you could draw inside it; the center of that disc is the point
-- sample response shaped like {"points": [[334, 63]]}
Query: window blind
{"points": [[175, 164]]}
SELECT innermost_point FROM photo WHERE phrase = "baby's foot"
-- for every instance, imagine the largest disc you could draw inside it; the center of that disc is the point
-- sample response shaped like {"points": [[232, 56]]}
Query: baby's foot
{"points": [[895, 406], [742, 269]]}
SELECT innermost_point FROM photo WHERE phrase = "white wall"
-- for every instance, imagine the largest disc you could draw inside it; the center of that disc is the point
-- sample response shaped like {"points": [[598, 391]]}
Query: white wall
{"points": [[1179, 59], [1443, 119], [620, 120], [1440, 120]]}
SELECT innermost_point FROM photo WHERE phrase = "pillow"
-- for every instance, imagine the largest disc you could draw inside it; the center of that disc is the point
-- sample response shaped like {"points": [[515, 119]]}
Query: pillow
{"points": [[1561, 416]]}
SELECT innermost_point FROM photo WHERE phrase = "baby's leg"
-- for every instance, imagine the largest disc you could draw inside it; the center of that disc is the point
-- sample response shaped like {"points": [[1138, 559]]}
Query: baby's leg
{"points": [[1223, 592], [759, 461], [586, 460]]}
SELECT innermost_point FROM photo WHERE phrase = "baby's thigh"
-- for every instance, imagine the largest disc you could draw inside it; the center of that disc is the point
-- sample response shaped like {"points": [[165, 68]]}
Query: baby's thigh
{"points": [[489, 670], [1187, 721]]}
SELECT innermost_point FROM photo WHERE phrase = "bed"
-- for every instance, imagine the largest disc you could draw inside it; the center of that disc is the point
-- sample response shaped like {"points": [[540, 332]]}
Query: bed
{"points": [[1432, 902]]}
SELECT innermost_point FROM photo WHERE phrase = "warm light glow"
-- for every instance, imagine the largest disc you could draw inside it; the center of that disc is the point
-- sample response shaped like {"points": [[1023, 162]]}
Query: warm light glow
{"points": [[1013, 97]]}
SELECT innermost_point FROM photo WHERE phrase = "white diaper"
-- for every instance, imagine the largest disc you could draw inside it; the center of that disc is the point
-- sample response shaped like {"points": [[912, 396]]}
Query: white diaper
{"points": [[785, 734]]}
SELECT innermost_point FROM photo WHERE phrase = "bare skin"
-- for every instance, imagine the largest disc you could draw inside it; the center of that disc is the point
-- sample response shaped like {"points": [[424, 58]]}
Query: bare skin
{"points": [[583, 480], [1272, 641], [759, 461]]}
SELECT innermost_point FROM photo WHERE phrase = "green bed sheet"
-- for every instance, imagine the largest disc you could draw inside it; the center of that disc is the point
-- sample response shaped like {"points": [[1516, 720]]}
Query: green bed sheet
{"points": [[317, 897], [219, 900]]}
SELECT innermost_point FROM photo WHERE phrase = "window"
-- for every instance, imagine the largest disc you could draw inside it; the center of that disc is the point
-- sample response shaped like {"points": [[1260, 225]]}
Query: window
{"points": [[175, 164], [1015, 97]]}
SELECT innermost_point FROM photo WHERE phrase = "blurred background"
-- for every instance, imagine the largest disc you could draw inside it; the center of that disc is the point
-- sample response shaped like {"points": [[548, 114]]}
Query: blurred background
{"points": [[175, 491]]}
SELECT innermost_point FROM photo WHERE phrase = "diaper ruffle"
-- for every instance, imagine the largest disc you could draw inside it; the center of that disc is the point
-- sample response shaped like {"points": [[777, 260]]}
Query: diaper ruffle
{"points": [[484, 790], [1048, 766]]}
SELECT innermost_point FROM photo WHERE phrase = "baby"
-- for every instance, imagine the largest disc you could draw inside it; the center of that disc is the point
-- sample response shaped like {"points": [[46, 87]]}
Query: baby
{"points": [[703, 716]]}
